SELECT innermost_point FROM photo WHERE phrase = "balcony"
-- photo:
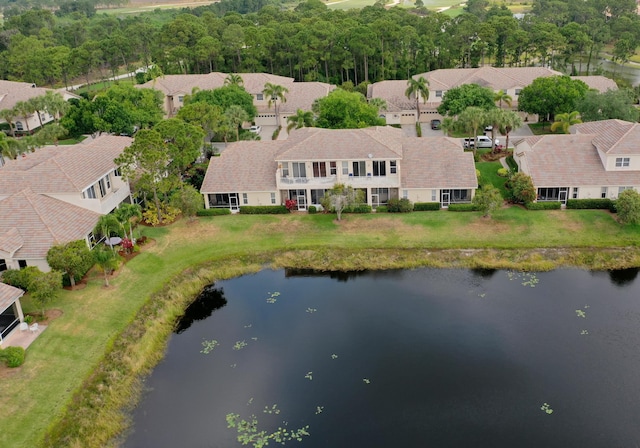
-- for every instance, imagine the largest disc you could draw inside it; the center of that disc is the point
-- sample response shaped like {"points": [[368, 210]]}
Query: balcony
{"points": [[319, 183]]}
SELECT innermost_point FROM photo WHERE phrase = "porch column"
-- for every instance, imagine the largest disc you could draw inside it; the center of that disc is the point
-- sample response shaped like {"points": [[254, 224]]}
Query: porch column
{"points": [[17, 308], [206, 200], [369, 201]]}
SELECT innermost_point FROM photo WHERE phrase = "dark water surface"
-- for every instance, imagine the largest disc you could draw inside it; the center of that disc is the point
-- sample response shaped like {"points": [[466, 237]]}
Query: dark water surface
{"points": [[421, 358]]}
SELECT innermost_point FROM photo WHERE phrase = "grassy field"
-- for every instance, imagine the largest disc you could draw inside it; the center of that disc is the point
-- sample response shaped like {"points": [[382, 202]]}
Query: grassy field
{"points": [[36, 395], [489, 174]]}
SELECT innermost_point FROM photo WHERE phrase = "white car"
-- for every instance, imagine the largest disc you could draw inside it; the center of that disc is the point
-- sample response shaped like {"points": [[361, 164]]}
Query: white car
{"points": [[255, 129]]}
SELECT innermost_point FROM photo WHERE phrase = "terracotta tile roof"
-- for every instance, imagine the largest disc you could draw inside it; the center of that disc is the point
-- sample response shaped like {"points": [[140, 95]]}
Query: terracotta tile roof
{"points": [[184, 84], [436, 162], [63, 169], [393, 93], [613, 136], [381, 142], [599, 83], [8, 295], [243, 167], [492, 77], [11, 92], [302, 95], [571, 160], [42, 222], [11, 241]]}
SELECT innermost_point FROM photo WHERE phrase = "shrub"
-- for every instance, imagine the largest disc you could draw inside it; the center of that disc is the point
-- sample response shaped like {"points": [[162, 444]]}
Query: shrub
{"points": [[628, 207], [361, 208], [20, 278], [462, 208], [12, 356], [312, 210], [543, 205], [426, 206], [168, 213], [291, 204], [522, 188], [399, 205], [213, 212], [513, 166], [263, 210], [487, 200], [382, 209], [581, 204], [503, 172]]}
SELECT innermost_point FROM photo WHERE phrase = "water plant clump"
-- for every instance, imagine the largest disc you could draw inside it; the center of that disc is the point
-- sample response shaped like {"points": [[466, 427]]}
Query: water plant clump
{"points": [[319, 409], [273, 297], [248, 433], [334, 356], [366, 380], [526, 278], [309, 376], [311, 310], [271, 410], [546, 408], [581, 313], [239, 345], [208, 346]]}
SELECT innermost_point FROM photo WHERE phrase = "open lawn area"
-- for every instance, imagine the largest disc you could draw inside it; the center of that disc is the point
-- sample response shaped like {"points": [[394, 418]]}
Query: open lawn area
{"points": [[96, 319], [489, 175]]}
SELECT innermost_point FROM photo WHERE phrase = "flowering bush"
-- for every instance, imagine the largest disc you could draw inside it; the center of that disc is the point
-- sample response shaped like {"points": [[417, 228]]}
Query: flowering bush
{"points": [[291, 204], [127, 245]]}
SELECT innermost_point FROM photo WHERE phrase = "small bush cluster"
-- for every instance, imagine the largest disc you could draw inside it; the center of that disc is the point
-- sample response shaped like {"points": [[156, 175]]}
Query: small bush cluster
{"points": [[213, 212], [264, 210], [503, 172], [168, 213], [399, 205], [20, 278], [582, 204], [12, 356], [462, 208], [543, 205], [291, 204], [361, 208], [426, 206], [382, 209], [312, 210], [513, 166]]}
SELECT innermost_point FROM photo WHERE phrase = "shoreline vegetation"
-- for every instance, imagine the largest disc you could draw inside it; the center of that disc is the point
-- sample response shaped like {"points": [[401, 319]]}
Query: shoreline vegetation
{"points": [[85, 373]]}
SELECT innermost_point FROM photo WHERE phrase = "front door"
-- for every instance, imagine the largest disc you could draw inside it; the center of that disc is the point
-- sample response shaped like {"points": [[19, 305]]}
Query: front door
{"points": [[445, 199], [233, 202], [302, 200], [562, 196], [375, 200]]}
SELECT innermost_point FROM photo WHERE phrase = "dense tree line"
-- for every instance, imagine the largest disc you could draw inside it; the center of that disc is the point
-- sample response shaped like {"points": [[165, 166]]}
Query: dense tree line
{"points": [[312, 42]]}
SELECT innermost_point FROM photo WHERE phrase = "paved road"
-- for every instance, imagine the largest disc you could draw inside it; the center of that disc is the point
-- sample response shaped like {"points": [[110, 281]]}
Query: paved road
{"points": [[113, 78]]}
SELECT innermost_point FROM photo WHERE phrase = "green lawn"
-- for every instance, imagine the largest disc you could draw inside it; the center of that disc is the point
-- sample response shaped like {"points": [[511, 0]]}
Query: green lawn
{"points": [[489, 174], [103, 85], [35, 395]]}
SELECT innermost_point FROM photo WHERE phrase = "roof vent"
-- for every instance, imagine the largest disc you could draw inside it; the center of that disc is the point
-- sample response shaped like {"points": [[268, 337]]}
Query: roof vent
{"points": [[33, 86]]}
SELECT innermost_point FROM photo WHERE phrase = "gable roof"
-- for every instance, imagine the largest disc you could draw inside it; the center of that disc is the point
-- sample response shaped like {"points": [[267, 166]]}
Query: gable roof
{"points": [[12, 92], [242, 167], [571, 160], [8, 295], [301, 95], [63, 169], [598, 82], [381, 142], [437, 162], [184, 84], [41, 222], [495, 78], [613, 136]]}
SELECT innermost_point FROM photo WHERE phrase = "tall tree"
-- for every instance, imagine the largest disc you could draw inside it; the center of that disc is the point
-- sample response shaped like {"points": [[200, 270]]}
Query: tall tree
{"points": [[44, 288], [71, 258], [9, 116], [473, 119], [551, 95], [235, 116], [418, 88], [106, 225], [301, 119], [458, 99], [125, 214], [183, 143], [597, 106], [107, 261], [510, 121], [501, 96], [346, 110], [275, 92]]}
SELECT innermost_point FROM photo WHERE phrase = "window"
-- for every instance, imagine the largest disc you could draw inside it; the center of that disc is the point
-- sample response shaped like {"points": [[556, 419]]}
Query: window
{"points": [[19, 126], [405, 194], [319, 169], [359, 168], [379, 196], [603, 193], [345, 168], [245, 199], [379, 168], [22, 264], [103, 189], [116, 172], [299, 169], [575, 193], [273, 198], [433, 195], [622, 162], [621, 189], [3, 264], [89, 193], [333, 170], [259, 96], [393, 168], [316, 196], [92, 239], [518, 91], [107, 180], [285, 169], [438, 93], [181, 99]]}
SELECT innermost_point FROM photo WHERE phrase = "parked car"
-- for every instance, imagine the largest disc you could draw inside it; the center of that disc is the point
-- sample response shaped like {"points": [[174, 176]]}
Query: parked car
{"points": [[435, 124], [483, 142], [255, 129], [488, 129]]}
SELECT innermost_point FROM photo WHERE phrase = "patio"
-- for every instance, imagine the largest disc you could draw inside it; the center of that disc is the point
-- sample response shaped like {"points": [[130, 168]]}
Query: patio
{"points": [[22, 338]]}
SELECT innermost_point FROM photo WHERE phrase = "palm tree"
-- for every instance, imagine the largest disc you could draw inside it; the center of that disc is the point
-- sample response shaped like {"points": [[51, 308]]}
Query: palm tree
{"points": [[236, 115], [301, 119], [564, 121], [233, 79], [55, 104], [8, 115], [13, 147], [418, 88], [275, 92], [495, 118], [107, 224], [24, 110], [448, 125], [510, 122], [501, 96], [37, 105], [107, 260], [125, 213], [472, 119], [379, 103]]}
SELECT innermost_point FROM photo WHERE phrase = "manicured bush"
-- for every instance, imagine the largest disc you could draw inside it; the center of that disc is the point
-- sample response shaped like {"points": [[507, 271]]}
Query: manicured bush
{"points": [[312, 210], [426, 206], [382, 209], [462, 208], [264, 210], [362, 208], [291, 204], [20, 278], [399, 206], [12, 356], [582, 204], [543, 205], [513, 166], [213, 212], [503, 172]]}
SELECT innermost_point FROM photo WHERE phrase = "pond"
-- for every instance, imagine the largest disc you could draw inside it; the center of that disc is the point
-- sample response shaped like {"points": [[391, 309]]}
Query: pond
{"points": [[442, 358]]}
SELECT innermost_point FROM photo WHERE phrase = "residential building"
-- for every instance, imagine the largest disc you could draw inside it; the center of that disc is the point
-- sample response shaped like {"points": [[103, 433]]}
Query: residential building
{"points": [[300, 95], [10, 310], [511, 80], [379, 161], [600, 159], [56, 195]]}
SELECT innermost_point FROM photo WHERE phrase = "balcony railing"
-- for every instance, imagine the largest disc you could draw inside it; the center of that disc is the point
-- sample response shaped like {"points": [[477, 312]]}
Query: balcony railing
{"points": [[326, 182]]}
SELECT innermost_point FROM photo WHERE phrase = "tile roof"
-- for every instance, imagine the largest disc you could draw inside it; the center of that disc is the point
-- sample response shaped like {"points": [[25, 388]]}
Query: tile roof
{"points": [[184, 84], [613, 136], [11, 92], [243, 167], [11, 241], [393, 93], [63, 169], [571, 160], [8, 295], [302, 95], [599, 83], [486, 76], [42, 222], [381, 142], [437, 162]]}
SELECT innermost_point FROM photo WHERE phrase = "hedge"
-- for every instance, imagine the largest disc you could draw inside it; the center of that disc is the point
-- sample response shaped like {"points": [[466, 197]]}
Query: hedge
{"points": [[426, 206], [12, 356], [581, 204], [362, 208], [312, 210], [543, 205], [399, 206], [213, 212], [264, 210], [462, 208], [382, 209], [512, 163]]}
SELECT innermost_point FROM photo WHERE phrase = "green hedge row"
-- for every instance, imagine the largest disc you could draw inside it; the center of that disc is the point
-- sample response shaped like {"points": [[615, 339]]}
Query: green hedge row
{"points": [[400, 206], [12, 356], [543, 205], [362, 208], [606, 204], [382, 209], [462, 208], [264, 210], [426, 206], [213, 212]]}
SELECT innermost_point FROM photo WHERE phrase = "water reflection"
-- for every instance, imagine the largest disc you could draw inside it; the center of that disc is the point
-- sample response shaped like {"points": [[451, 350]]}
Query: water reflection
{"points": [[483, 272], [209, 300], [341, 276], [623, 277]]}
